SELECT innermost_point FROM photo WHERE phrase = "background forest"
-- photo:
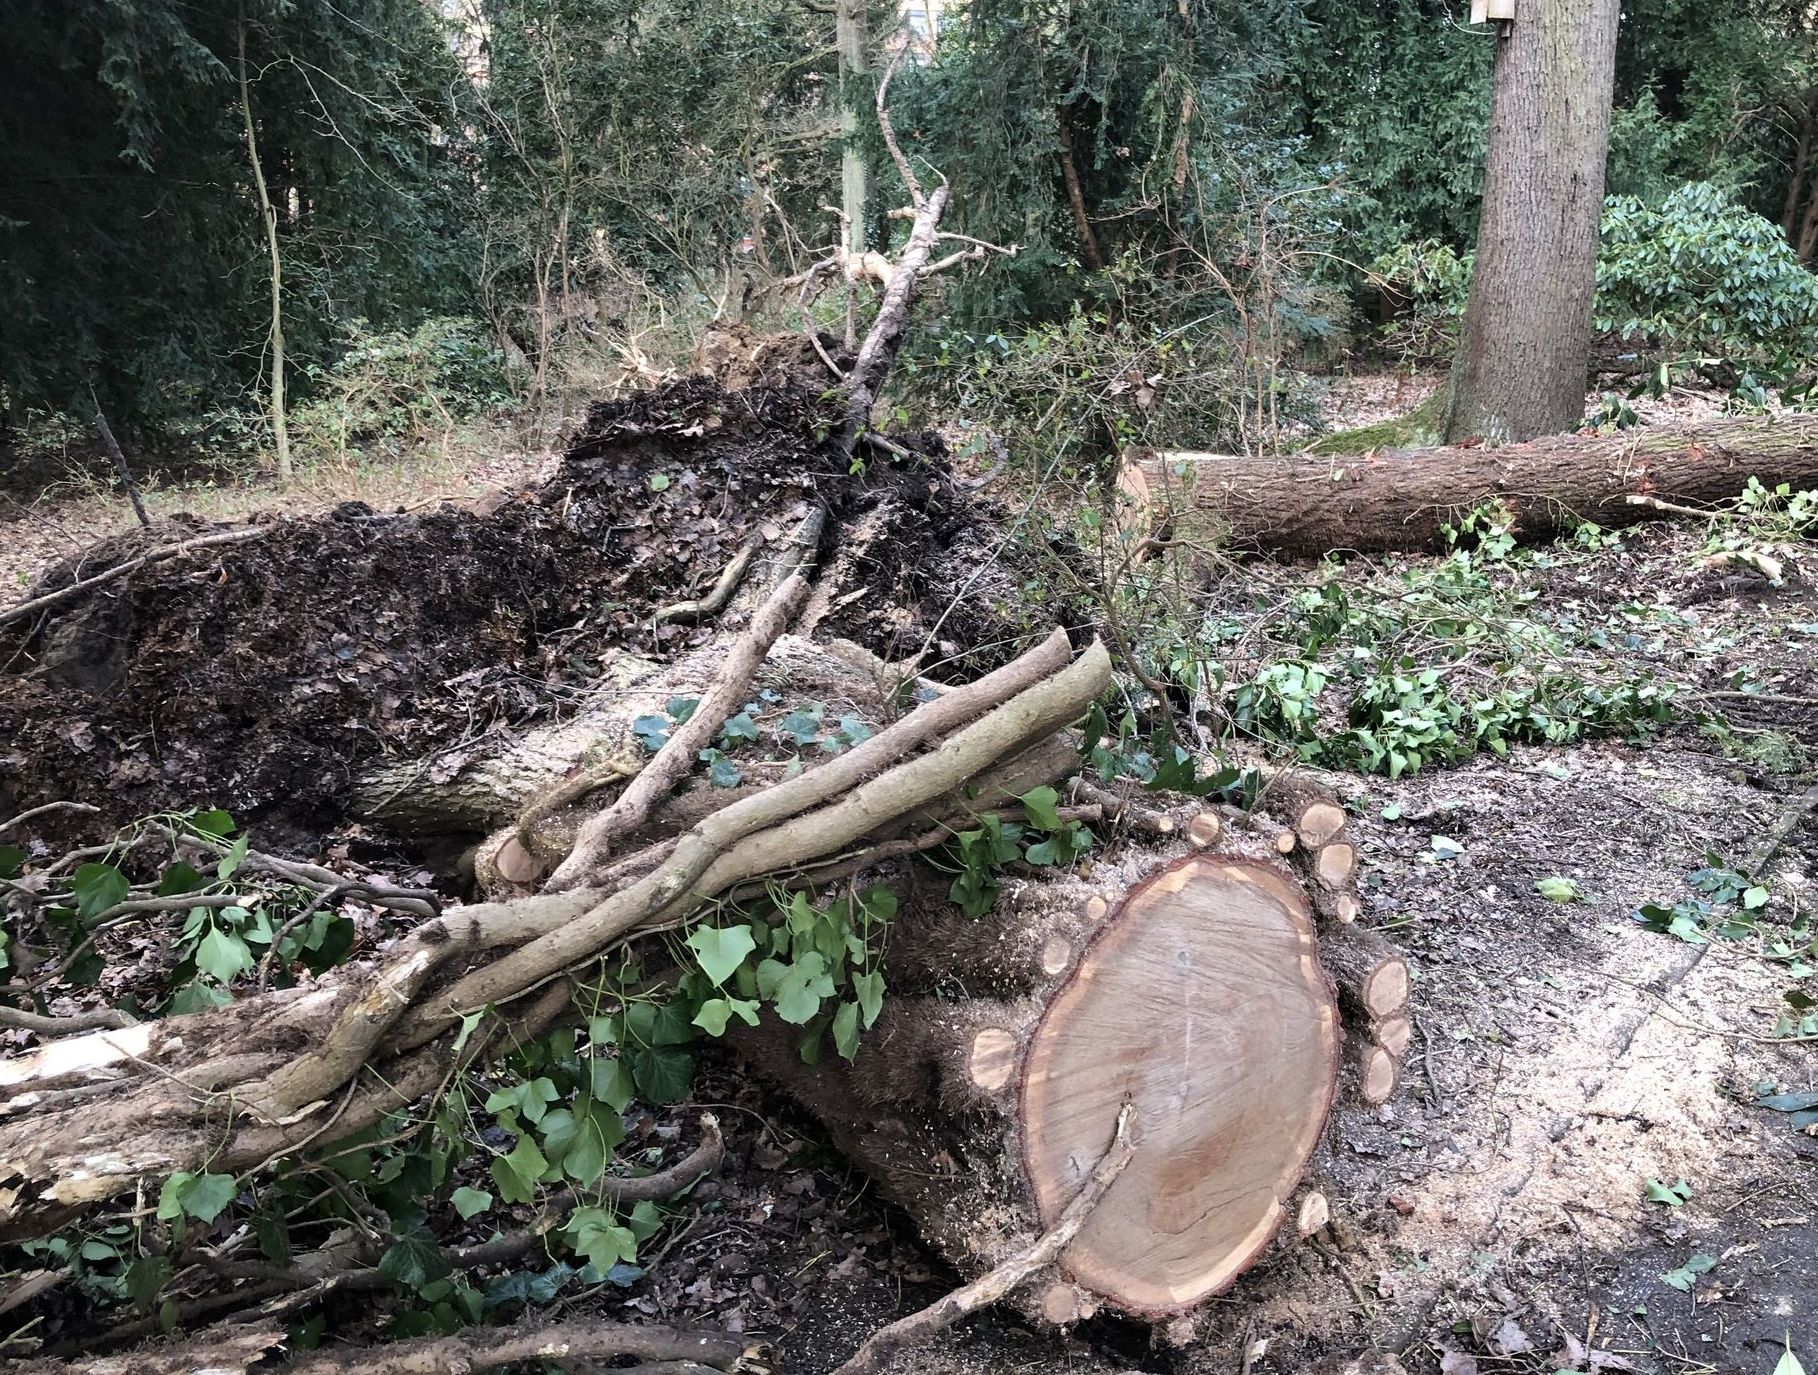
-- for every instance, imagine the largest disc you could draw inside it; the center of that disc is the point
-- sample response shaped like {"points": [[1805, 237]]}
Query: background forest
{"points": [[517, 198]]}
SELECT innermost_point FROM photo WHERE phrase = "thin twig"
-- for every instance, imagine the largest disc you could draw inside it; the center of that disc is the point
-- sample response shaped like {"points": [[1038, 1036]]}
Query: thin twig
{"points": [[25, 816], [119, 457], [97, 1019], [1796, 812], [169, 551]]}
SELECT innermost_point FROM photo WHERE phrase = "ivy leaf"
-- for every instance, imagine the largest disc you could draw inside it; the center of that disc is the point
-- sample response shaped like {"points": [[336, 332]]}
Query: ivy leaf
{"points": [[846, 1030], [869, 990], [1673, 1197], [414, 1259], [722, 772], [470, 1203], [645, 1220], [739, 727], [516, 1174], [1557, 889], [802, 727], [180, 877], [1444, 847], [98, 887], [802, 987], [215, 822], [652, 731], [716, 1012], [659, 482], [223, 956], [681, 708], [232, 860], [1686, 1275], [1754, 899], [594, 1233], [720, 950], [597, 1134], [663, 1074], [200, 1196], [610, 1082], [1042, 805]]}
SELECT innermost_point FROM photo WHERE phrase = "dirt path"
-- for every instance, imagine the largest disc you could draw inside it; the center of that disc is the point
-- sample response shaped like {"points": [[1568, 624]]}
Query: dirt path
{"points": [[1566, 1055]]}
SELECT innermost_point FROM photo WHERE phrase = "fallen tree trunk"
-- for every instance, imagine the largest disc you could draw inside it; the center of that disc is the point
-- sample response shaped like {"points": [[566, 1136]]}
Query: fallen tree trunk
{"points": [[1185, 985], [1403, 499]]}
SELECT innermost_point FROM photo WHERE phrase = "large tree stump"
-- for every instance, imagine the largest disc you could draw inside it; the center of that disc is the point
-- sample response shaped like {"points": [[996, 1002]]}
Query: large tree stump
{"points": [[1187, 983]]}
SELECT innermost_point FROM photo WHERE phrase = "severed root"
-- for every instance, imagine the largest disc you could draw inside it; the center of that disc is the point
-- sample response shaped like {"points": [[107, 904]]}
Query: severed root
{"points": [[516, 859], [714, 602], [1003, 1279]]}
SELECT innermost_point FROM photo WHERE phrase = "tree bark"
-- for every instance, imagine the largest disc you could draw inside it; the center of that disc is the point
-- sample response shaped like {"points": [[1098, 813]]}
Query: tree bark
{"points": [[268, 217], [855, 173], [1525, 344], [1076, 198], [1308, 507]]}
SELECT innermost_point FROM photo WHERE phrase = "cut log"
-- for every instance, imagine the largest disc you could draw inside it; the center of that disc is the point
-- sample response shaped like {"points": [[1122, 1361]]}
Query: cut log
{"points": [[1191, 991], [1307, 507]]}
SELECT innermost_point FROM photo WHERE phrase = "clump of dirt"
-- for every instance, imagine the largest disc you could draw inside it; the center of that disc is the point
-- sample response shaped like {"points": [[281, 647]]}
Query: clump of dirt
{"points": [[263, 675]]}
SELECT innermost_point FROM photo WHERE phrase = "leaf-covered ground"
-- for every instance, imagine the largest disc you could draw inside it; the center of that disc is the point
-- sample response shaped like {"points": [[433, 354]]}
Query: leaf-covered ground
{"points": [[263, 676]]}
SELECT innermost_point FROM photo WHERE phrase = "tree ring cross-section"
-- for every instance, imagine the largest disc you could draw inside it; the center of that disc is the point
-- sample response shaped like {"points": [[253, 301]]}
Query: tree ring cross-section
{"points": [[1202, 1003]]}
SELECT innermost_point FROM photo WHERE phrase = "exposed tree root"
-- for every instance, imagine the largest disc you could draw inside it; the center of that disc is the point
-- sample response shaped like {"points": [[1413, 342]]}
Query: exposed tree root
{"points": [[267, 1076]]}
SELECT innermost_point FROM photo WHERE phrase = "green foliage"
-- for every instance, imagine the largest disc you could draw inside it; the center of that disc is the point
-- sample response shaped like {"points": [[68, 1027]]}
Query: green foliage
{"points": [[231, 922], [401, 383], [817, 965], [127, 221], [1426, 285], [1703, 274], [978, 857], [1729, 905], [1411, 666], [202, 1197]]}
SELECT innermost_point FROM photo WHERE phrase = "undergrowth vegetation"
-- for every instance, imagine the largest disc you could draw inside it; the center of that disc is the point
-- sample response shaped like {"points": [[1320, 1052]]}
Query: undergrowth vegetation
{"points": [[1392, 666]]}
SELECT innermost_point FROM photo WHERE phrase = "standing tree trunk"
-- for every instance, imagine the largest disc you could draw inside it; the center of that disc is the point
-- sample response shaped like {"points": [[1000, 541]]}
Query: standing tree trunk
{"points": [[1525, 346], [268, 215], [855, 172]]}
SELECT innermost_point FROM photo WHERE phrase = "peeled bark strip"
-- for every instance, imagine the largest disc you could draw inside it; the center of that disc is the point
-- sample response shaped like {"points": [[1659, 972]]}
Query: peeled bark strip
{"points": [[1306, 506], [1191, 993]]}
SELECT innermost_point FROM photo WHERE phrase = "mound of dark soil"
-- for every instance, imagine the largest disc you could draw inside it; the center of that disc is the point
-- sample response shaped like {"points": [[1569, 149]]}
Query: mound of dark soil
{"points": [[261, 676]]}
